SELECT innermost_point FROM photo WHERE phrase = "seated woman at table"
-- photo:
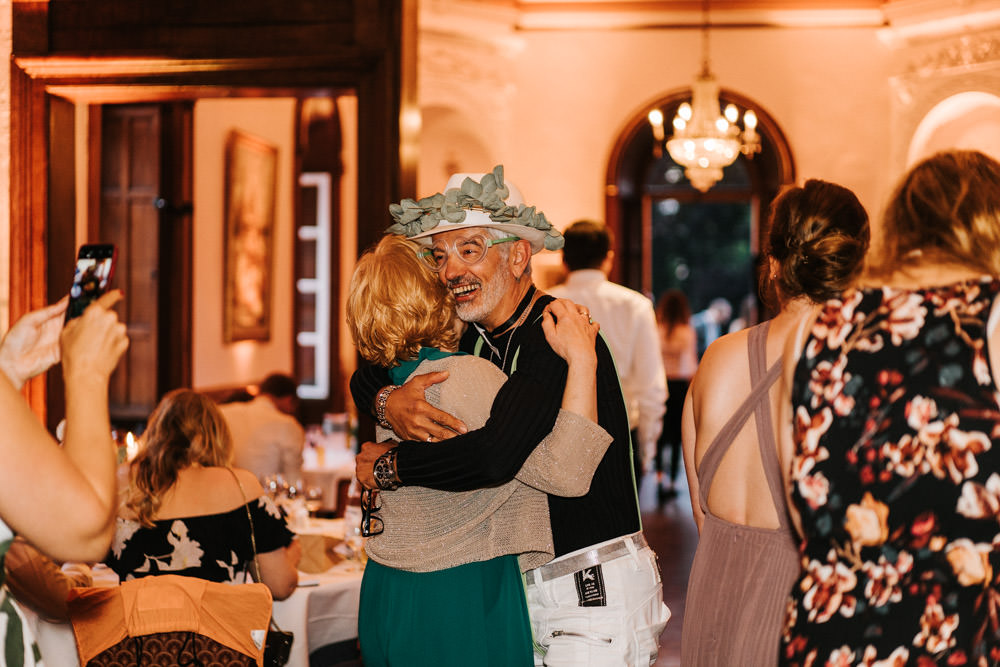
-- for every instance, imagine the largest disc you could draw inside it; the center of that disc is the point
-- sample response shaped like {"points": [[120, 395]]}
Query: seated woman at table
{"points": [[186, 512], [442, 585]]}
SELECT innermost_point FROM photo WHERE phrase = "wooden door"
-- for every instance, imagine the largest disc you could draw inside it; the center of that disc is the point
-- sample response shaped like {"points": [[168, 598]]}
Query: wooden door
{"points": [[130, 184], [143, 209]]}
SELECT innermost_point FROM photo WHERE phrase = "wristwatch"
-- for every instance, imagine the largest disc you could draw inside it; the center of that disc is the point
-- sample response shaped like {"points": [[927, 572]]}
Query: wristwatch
{"points": [[385, 471]]}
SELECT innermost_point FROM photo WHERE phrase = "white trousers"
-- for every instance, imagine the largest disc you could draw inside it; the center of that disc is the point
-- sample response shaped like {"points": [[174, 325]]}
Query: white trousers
{"points": [[599, 606]]}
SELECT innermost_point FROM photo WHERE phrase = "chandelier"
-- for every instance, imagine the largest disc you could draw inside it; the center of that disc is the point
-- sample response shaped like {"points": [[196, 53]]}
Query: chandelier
{"points": [[705, 140]]}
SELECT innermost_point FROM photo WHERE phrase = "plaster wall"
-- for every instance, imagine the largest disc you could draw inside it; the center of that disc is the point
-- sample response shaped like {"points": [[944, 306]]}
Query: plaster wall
{"points": [[827, 89], [215, 363], [571, 93]]}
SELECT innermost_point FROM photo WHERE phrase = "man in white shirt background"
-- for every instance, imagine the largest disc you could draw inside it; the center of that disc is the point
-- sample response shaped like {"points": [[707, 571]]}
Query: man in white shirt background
{"points": [[267, 438], [628, 323]]}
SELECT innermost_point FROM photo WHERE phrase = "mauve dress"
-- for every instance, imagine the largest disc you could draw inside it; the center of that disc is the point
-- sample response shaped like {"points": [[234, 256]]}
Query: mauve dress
{"points": [[741, 576]]}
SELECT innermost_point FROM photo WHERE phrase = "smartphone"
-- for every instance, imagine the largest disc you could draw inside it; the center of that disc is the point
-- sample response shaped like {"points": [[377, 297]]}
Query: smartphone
{"points": [[95, 266]]}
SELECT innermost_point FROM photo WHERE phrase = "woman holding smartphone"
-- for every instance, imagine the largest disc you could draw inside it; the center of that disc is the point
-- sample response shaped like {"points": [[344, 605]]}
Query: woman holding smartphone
{"points": [[61, 499]]}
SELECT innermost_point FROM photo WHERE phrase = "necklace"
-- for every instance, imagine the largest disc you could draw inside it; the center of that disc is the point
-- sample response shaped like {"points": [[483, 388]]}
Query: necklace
{"points": [[527, 302], [510, 337], [518, 314]]}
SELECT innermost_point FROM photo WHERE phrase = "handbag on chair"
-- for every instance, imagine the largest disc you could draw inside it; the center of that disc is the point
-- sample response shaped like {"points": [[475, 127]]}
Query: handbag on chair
{"points": [[278, 645]]}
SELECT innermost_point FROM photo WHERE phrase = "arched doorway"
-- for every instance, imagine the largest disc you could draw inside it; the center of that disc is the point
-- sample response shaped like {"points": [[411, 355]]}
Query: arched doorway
{"points": [[668, 234], [967, 120]]}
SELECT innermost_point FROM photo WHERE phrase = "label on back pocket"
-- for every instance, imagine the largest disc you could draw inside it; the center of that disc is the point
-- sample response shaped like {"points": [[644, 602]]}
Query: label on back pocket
{"points": [[590, 587]]}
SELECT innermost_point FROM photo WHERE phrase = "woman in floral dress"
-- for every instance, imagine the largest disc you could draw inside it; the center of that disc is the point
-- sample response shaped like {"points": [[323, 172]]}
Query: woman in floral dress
{"points": [[892, 451], [186, 512]]}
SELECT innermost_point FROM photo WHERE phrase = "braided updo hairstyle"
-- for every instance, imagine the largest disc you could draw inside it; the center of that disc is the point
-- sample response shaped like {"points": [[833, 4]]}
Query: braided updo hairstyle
{"points": [[819, 234]]}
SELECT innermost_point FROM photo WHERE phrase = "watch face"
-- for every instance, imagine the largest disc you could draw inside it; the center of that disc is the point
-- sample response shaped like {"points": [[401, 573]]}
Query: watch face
{"points": [[384, 473], [379, 471]]}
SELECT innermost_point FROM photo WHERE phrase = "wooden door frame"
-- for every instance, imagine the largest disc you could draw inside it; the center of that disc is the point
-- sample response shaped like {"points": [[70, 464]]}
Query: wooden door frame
{"points": [[176, 243], [120, 80]]}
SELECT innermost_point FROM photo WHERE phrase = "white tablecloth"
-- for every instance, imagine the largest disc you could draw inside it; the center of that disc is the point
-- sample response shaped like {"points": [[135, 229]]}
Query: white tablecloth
{"points": [[324, 465], [323, 610]]}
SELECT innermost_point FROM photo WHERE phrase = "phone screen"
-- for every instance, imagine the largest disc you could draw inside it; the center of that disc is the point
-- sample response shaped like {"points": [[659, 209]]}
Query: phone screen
{"points": [[95, 266]]}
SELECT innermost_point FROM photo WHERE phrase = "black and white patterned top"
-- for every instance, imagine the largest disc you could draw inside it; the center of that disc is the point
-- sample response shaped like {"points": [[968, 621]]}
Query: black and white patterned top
{"points": [[216, 547]]}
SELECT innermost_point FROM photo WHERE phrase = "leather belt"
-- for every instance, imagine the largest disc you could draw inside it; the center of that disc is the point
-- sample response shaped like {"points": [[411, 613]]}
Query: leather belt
{"points": [[596, 556]]}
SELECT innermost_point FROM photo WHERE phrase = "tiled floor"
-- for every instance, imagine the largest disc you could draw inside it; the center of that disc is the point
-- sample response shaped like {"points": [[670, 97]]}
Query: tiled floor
{"points": [[670, 531]]}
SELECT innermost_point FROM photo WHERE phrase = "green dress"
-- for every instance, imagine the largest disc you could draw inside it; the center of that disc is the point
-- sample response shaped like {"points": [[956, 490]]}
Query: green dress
{"points": [[471, 614]]}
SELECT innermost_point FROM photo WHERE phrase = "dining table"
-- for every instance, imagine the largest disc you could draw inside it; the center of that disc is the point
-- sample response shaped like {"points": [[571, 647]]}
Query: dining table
{"points": [[327, 462], [322, 612]]}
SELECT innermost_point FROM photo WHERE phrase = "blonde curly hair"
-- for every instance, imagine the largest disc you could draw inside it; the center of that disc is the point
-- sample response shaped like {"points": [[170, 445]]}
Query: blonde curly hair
{"points": [[396, 304]]}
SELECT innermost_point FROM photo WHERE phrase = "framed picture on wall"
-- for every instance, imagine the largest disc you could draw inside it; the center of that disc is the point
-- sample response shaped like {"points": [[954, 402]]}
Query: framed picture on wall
{"points": [[250, 185]]}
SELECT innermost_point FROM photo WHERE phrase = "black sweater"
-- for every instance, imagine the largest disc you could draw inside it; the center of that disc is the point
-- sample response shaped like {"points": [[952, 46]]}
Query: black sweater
{"points": [[523, 413]]}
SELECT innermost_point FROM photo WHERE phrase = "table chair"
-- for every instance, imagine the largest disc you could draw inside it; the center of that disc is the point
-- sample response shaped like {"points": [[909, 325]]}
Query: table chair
{"points": [[170, 619]]}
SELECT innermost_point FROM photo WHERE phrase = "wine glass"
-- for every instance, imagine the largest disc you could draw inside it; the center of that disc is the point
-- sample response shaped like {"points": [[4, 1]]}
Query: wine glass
{"points": [[276, 486], [314, 499]]}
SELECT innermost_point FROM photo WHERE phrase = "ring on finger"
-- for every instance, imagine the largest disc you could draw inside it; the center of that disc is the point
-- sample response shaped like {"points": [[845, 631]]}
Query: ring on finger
{"points": [[430, 438]]}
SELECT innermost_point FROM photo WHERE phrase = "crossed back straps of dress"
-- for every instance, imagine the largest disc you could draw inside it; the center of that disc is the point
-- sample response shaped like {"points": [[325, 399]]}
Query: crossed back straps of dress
{"points": [[756, 403]]}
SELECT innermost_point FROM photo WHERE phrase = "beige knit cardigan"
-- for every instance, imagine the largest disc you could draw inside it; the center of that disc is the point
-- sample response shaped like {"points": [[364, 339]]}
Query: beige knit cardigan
{"points": [[428, 530]]}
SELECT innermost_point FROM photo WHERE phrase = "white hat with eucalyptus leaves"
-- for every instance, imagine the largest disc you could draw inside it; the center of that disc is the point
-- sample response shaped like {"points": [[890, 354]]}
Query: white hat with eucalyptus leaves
{"points": [[475, 200]]}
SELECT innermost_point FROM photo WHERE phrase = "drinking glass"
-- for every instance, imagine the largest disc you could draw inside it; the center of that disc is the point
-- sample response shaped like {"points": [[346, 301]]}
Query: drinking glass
{"points": [[276, 486], [314, 499]]}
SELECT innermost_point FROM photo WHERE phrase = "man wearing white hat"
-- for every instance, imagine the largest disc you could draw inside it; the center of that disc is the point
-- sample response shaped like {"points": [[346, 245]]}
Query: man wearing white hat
{"points": [[599, 601]]}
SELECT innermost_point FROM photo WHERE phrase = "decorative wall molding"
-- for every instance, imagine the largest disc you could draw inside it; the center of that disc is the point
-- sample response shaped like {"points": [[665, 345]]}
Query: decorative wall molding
{"points": [[926, 72], [645, 14], [968, 51], [915, 21]]}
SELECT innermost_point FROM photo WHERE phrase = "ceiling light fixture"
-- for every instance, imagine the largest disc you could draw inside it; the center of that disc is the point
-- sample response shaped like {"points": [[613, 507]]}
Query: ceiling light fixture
{"points": [[705, 140]]}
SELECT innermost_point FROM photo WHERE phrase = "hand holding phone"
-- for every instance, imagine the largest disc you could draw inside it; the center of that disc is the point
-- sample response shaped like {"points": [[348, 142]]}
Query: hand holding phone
{"points": [[92, 345], [95, 266]]}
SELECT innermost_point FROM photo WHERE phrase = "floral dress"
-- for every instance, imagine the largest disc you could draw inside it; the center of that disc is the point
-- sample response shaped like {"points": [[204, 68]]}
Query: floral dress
{"points": [[896, 476], [19, 648], [213, 546]]}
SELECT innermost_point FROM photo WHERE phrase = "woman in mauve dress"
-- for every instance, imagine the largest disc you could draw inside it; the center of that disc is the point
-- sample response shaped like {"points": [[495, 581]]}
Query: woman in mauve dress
{"points": [[746, 559]]}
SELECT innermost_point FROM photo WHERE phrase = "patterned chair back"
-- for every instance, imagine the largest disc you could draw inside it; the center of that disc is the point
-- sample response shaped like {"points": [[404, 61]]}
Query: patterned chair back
{"points": [[170, 619]]}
